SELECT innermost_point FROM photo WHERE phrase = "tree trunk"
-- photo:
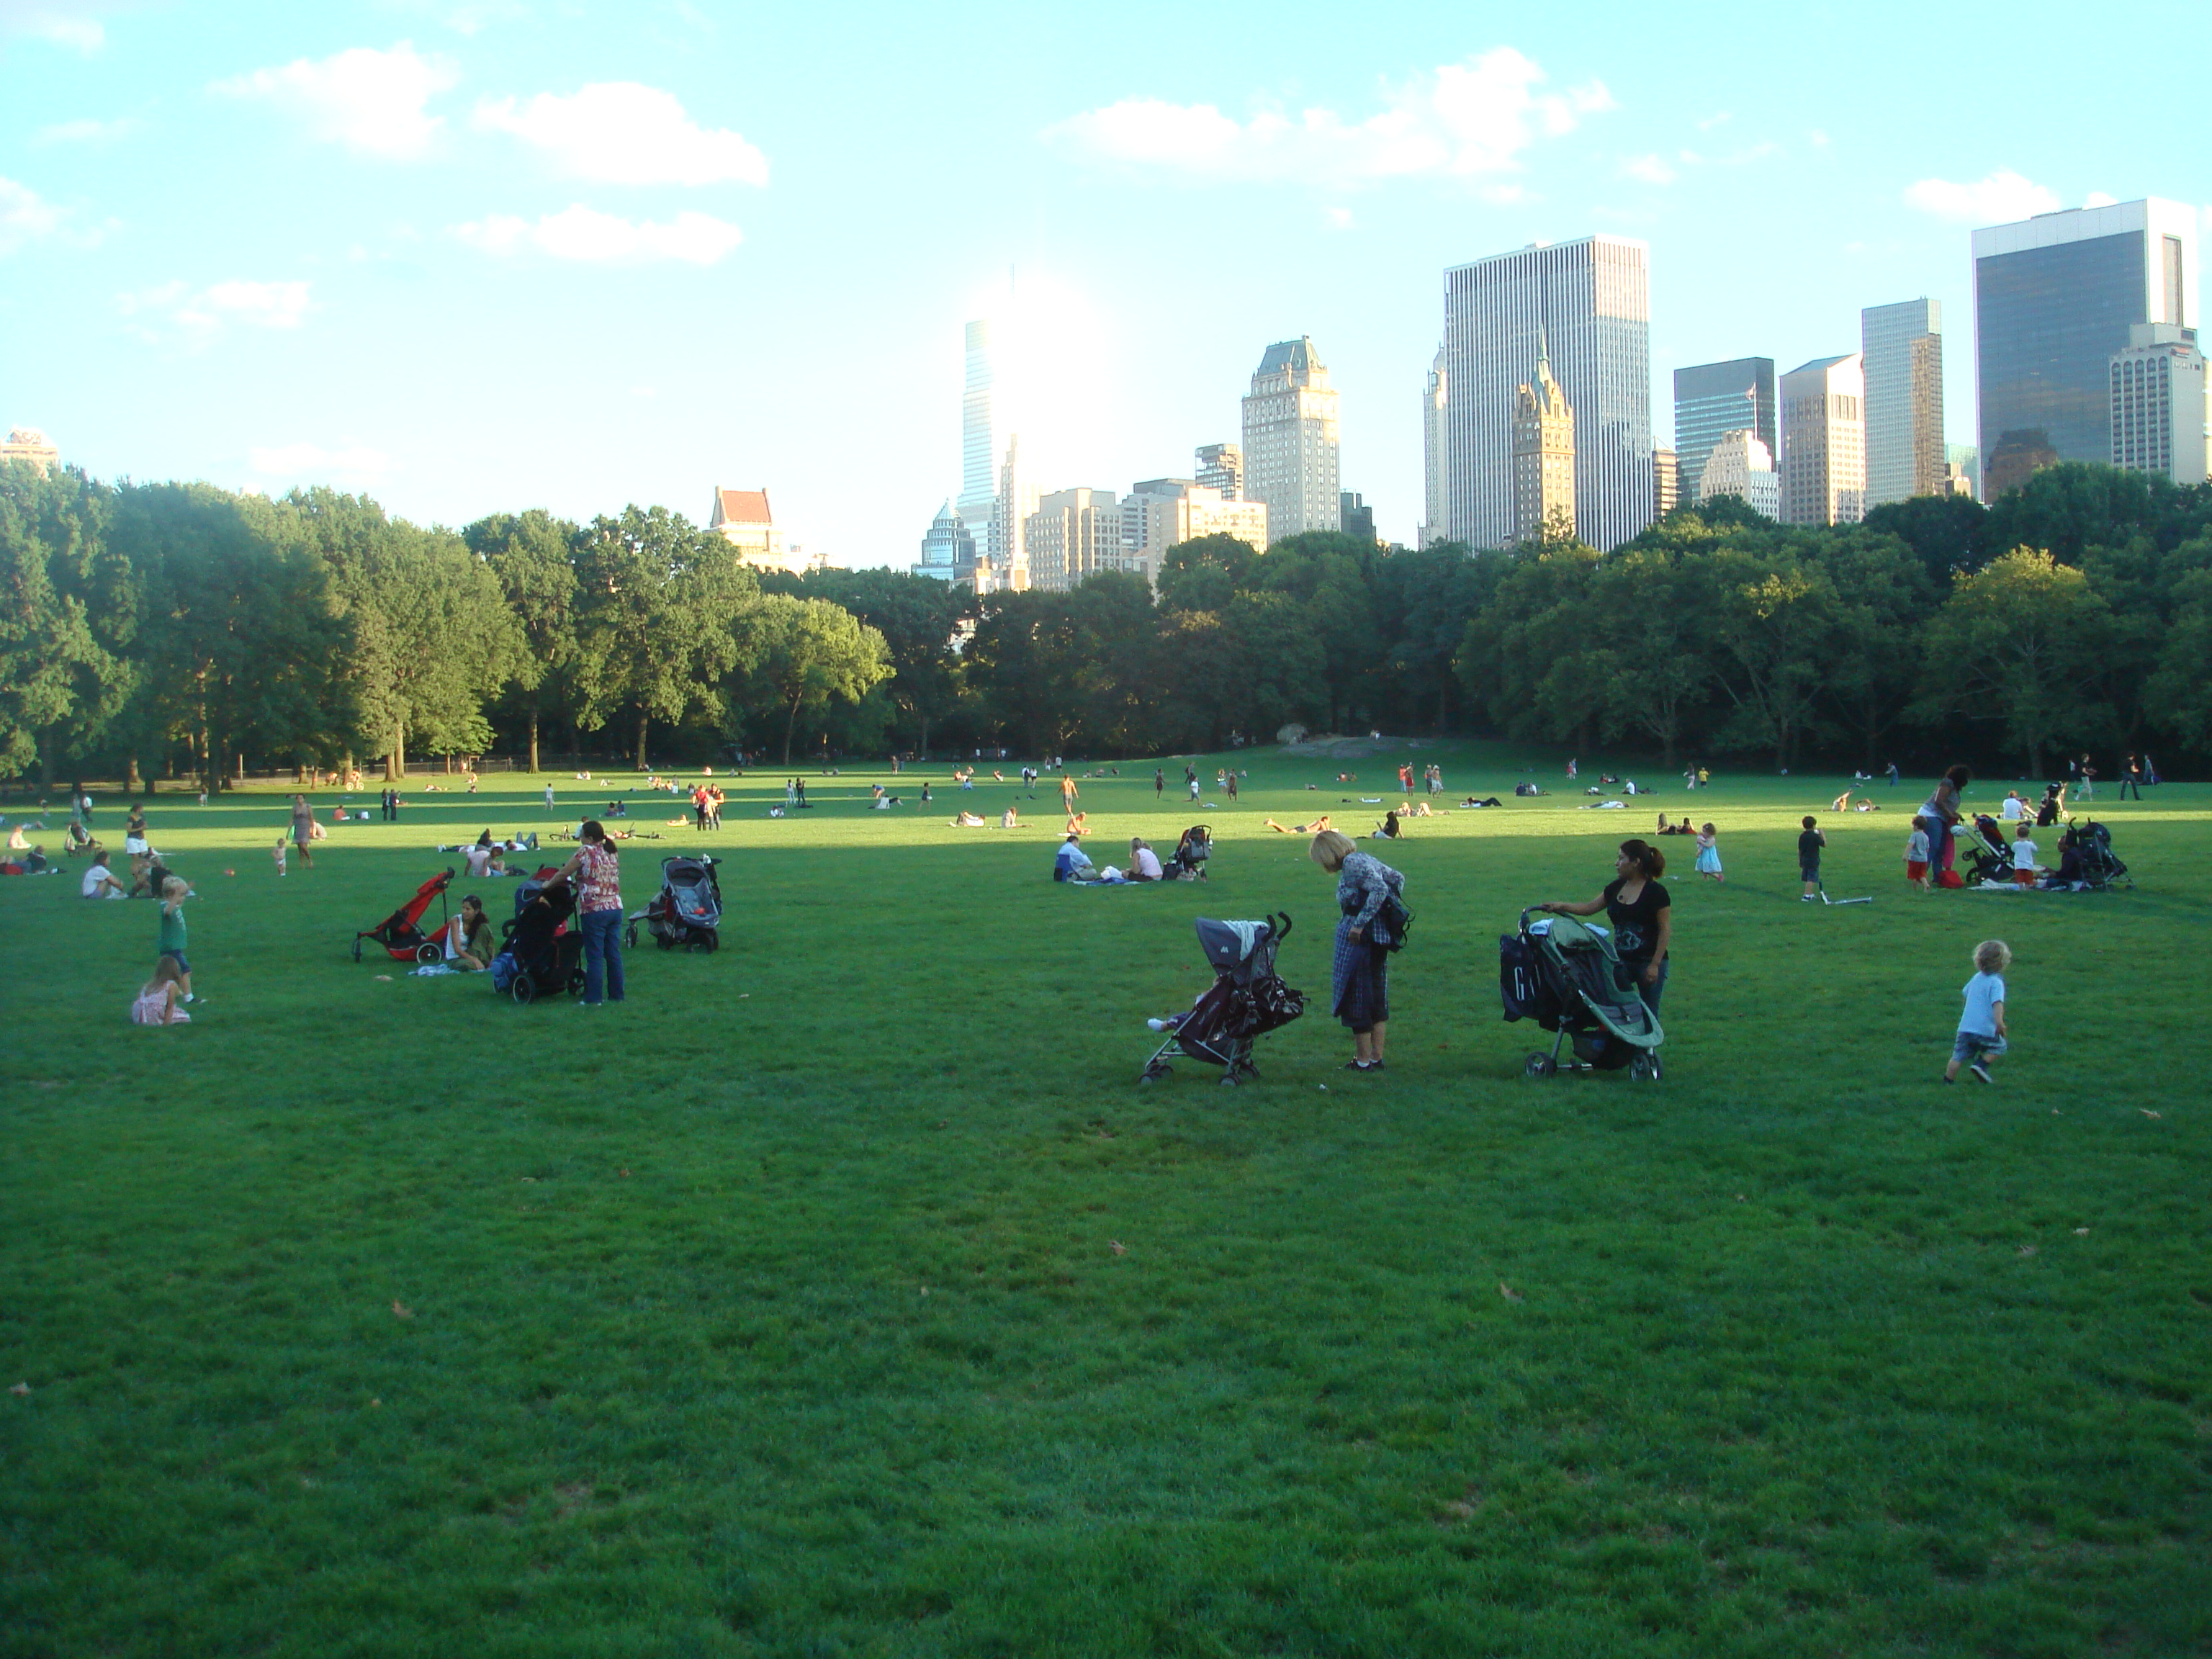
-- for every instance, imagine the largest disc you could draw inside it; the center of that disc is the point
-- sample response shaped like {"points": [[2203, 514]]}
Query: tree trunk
{"points": [[395, 763], [131, 782], [533, 740], [45, 760], [790, 722], [644, 720]]}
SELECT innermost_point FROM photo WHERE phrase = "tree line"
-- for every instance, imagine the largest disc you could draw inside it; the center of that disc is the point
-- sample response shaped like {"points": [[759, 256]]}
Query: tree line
{"points": [[187, 628]]}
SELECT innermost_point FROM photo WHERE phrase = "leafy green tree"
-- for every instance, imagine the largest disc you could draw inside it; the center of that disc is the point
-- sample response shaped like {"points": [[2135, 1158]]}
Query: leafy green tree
{"points": [[2010, 649], [1946, 533], [1424, 599], [1199, 574], [918, 617], [1332, 575], [2177, 695], [1521, 657], [1773, 626], [1649, 618], [532, 556], [242, 644], [665, 613], [2070, 508], [66, 627], [812, 651], [1883, 594]]}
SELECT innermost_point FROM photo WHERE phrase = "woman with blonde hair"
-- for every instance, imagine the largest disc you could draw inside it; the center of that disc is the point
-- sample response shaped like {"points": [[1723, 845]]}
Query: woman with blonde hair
{"points": [[1360, 972]]}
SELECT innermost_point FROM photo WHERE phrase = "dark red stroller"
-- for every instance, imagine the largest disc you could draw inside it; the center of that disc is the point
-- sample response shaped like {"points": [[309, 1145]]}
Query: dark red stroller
{"points": [[401, 932]]}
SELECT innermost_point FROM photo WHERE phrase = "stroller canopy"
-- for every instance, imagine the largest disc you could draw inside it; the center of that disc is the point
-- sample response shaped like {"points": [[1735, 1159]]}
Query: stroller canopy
{"points": [[1230, 944]]}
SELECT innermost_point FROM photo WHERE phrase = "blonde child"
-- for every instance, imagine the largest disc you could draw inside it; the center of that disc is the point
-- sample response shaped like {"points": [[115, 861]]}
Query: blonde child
{"points": [[172, 942], [158, 1002], [2024, 872], [1982, 1027], [1708, 853], [279, 856], [1916, 858]]}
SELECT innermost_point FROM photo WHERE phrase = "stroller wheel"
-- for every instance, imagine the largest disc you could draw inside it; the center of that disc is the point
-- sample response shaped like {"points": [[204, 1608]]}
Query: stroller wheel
{"points": [[524, 993], [1540, 1065], [663, 941], [714, 941], [429, 953], [1645, 1066], [630, 937], [696, 946], [1229, 1080]]}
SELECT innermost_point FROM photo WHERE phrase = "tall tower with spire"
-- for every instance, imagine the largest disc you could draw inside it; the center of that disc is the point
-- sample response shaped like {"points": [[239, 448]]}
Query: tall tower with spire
{"points": [[1543, 453]]}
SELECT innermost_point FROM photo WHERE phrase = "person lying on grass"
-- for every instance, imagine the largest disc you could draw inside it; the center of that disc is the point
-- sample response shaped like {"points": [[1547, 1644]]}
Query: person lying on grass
{"points": [[159, 998], [965, 820], [1313, 828]]}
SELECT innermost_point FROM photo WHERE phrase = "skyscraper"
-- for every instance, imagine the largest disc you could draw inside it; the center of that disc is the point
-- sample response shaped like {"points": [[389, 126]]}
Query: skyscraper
{"points": [[981, 450], [1711, 398], [1290, 441], [1666, 482], [1434, 495], [2158, 404], [1074, 534], [948, 551], [1221, 466], [1004, 565], [1742, 466], [1158, 513], [2054, 299], [1543, 454], [1354, 517], [1591, 298], [1902, 346], [1823, 441]]}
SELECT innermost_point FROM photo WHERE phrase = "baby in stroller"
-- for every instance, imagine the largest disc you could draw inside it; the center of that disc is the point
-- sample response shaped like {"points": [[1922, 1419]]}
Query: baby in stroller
{"points": [[1246, 999]]}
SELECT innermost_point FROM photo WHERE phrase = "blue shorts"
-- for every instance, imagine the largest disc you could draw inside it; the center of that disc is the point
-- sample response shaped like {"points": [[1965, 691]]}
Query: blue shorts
{"points": [[1972, 1045], [183, 966], [1809, 873]]}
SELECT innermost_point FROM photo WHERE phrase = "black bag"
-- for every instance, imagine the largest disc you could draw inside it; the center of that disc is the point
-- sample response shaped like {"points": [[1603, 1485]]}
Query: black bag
{"points": [[1394, 921], [1521, 986]]}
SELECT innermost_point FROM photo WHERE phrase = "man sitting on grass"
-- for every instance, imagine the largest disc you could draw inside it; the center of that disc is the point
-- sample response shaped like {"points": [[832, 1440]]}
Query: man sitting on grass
{"points": [[1071, 863]]}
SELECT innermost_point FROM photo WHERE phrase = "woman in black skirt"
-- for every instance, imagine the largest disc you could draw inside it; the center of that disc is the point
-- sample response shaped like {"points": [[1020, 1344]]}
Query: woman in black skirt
{"points": [[1360, 972]]}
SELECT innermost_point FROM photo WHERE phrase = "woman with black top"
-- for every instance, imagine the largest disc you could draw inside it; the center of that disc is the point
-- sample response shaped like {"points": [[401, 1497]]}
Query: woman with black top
{"points": [[1938, 813], [1640, 910]]}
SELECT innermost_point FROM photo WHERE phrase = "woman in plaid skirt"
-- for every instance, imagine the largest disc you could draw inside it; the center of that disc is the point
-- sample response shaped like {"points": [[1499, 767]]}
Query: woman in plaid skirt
{"points": [[1360, 972]]}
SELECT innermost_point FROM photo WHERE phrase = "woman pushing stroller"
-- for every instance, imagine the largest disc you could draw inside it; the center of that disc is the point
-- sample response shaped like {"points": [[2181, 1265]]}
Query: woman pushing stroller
{"points": [[1640, 910]]}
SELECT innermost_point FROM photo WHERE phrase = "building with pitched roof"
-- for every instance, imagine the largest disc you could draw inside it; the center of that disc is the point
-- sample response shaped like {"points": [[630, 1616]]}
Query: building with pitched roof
{"points": [[744, 519]]}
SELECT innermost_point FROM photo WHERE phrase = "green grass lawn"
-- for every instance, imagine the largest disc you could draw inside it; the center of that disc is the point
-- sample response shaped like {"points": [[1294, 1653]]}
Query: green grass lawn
{"points": [[840, 1293]]}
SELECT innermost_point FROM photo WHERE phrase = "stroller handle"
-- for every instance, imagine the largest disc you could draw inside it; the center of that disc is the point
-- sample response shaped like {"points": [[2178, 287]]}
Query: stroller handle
{"points": [[1281, 922]]}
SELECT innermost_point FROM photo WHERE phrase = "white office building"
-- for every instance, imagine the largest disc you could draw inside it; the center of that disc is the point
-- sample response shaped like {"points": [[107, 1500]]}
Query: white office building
{"points": [[1158, 513], [1823, 441], [1434, 395], [948, 551], [2158, 410], [981, 448], [1291, 441], [1903, 348], [1591, 298], [1739, 465]]}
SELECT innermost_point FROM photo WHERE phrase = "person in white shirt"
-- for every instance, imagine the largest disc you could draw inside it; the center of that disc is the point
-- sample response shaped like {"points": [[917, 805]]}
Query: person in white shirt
{"points": [[1143, 863], [2013, 808], [99, 883], [2023, 858]]}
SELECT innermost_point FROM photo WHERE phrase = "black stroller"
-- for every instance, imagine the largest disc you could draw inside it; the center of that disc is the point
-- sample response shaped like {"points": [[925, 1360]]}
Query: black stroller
{"points": [[542, 955], [1983, 848], [687, 908], [2095, 866], [1246, 1000], [1564, 974], [1191, 854]]}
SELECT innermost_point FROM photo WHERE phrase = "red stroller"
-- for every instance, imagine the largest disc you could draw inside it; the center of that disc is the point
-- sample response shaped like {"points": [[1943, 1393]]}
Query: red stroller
{"points": [[401, 932]]}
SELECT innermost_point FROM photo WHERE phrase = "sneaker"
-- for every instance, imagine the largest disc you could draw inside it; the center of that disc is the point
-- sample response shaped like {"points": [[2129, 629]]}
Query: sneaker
{"points": [[1155, 1025], [1981, 1072], [190, 999]]}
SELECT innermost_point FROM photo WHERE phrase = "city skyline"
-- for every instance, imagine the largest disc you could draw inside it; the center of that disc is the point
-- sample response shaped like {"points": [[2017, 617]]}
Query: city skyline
{"points": [[424, 251]]}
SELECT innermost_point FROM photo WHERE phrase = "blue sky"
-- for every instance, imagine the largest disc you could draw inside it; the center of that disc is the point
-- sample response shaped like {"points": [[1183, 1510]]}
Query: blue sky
{"points": [[469, 255]]}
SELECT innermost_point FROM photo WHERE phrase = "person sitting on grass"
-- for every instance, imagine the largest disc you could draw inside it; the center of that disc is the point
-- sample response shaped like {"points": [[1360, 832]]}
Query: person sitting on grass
{"points": [[1389, 828], [160, 1000], [1010, 818], [1071, 862], [1143, 863], [17, 840], [1423, 810], [470, 942], [100, 883]]}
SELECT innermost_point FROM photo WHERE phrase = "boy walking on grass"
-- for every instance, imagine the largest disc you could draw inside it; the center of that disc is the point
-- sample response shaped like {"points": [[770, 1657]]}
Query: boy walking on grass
{"points": [[1809, 859], [1982, 1027]]}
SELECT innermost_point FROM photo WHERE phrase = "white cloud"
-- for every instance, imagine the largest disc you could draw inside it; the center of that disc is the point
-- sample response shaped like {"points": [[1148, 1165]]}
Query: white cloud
{"points": [[370, 102], [581, 233], [1461, 121], [64, 26], [87, 132], [1650, 168], [2004, 196], [201, 315], [25, 215], [1338, 218], [314, 462], [626, 134], [2097, 198]]}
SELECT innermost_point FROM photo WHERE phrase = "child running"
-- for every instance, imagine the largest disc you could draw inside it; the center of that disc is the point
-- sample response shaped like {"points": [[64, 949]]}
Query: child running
{"points": [[1982, 1027], [278, 854], [1916, 858], [1809, 859], [1708, 853], [171, 941]]}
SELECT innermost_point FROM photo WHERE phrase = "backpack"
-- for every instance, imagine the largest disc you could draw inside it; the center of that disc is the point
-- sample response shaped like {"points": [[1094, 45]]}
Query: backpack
{"points": [[505, 970], [1393, 922]]}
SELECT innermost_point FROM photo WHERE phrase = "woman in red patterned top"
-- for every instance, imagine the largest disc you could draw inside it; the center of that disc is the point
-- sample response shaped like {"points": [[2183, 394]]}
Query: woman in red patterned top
{"points": [[596, 873]]}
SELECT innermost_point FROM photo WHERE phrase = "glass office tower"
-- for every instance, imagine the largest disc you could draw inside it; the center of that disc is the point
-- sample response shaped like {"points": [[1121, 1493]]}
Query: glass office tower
{"points": [[2054, 299], [1903, 345], [1712, 399], [1592, 299]]}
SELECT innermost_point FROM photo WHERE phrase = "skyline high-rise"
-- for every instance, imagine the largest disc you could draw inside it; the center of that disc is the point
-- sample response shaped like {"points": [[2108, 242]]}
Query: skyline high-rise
{"points": [[1591, 299], [1902, 345], [980, 453], [1741, 466], [1823, 441], [1711, 400], [1221, 466], [2054, 299], [1291, 439], [1434, 499], [1071, 535], [2158, 404], [948, 551], [1158, 513], [1543, 454]]}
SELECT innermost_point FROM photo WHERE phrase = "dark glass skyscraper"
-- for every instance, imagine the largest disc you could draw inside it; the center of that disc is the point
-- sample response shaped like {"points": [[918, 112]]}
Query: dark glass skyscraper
{"points": [[1713, 398], [2054, 298]]}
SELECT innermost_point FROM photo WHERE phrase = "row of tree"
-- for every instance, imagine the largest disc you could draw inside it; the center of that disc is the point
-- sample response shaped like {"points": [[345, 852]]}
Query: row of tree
{"points": [[188, 626]]}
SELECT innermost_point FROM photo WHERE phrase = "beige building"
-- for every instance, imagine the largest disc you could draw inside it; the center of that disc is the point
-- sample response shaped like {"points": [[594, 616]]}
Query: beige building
{"points": [[1902, 349], [1158, 513], [28, 445], [743, 519], [1824, 478], [1002, 565], [1543, 460], [1666, 482], [1291, 442], [1072, 534]]}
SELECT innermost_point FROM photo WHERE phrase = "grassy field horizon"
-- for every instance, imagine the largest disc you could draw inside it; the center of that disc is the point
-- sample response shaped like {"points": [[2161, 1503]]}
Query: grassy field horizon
{"points": [[841, 1293]]}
